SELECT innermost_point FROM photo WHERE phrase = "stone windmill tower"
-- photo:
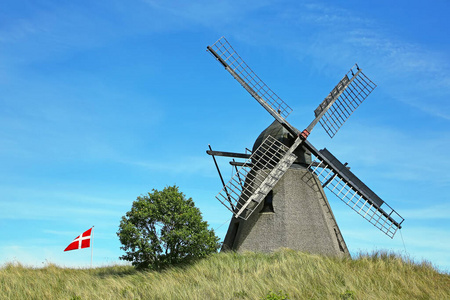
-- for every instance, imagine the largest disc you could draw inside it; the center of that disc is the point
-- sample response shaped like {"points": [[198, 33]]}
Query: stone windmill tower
{"points": [[276, 196]]}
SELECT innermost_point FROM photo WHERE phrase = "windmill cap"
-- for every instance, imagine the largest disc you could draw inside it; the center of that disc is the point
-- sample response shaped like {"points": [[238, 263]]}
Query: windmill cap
{"points": [[278, 132]]}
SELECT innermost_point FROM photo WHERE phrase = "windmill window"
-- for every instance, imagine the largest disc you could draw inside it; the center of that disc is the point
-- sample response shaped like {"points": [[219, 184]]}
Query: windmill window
{"points": [[268, 205]]}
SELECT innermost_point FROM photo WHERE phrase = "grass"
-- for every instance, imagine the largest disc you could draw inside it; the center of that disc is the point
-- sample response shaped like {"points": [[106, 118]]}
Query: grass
{"points": [[237, 276]]}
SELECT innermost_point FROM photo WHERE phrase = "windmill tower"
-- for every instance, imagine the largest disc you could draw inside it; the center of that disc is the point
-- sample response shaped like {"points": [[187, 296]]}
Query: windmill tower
{"points": [[276, 196]]}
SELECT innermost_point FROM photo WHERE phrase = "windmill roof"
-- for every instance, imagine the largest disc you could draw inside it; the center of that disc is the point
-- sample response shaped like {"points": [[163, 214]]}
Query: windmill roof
{"points": [[277, 131]]}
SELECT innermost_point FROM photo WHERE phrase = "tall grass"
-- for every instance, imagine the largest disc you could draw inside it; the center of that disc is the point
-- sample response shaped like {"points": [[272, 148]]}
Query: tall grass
{"points": [[378, 275]]}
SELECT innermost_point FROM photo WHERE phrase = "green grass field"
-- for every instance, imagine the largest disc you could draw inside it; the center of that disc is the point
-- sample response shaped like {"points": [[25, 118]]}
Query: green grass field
{"points": [[236, 276]]}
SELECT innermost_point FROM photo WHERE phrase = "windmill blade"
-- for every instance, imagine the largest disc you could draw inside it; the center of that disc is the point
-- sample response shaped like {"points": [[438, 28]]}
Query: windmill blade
{"points": [[346, 186], [342, 101], [268, 164], [235, 65]]}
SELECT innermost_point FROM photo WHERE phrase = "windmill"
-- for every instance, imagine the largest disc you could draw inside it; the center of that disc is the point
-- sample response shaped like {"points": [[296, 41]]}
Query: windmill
{"points": [[276, 195]]}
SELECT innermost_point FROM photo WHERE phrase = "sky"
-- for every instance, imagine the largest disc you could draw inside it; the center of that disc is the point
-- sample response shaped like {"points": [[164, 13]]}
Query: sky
{"points": [[103, 101]]}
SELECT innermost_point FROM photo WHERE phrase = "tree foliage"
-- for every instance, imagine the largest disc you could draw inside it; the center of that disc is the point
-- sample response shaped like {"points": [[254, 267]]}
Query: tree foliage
{"points": [[164, 228]]}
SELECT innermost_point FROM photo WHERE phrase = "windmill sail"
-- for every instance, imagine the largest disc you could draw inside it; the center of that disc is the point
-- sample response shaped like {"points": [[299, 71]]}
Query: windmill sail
{"points": [[347, 187], [342, 101], [269, 162], [233, 63]]}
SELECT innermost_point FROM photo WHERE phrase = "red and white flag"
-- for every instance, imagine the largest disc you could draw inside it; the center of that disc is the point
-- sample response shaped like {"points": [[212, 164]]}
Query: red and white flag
{"points": [[81, 241]]}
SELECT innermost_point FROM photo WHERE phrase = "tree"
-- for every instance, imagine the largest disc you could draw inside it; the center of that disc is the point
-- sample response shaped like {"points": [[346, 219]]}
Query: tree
{"points": [[164, 228]]}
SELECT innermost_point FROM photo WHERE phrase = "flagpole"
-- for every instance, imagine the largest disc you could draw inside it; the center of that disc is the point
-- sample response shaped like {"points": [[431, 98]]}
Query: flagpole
{"points": [[92, 244]]}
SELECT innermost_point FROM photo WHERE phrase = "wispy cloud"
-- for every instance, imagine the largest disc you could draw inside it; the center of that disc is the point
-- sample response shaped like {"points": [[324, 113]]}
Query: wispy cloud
{"points": [[207, 13], [29, 210], [440, 211], [339, 38], [393, 153], [404, 68], [188, 165]]}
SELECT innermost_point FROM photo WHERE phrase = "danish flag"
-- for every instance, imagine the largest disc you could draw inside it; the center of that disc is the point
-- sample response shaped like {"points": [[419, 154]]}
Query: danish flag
{"points": [[81, 241]]}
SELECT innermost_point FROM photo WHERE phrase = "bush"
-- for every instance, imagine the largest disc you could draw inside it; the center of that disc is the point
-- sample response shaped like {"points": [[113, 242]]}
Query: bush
{"points": [[164, 228], [276, 296]]}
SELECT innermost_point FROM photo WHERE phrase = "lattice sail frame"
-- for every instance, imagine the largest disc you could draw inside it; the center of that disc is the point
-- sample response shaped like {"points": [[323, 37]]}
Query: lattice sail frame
{"points": [[348, 94], [234, 64], [360, 198], [268, 164]]}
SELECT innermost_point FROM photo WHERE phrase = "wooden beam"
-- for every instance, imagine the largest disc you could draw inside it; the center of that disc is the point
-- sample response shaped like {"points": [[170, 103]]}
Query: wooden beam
{"points": [[228, 154]]}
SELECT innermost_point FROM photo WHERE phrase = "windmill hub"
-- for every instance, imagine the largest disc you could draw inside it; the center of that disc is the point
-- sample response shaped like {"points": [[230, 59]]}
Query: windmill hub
{"points": [[278, 132]]}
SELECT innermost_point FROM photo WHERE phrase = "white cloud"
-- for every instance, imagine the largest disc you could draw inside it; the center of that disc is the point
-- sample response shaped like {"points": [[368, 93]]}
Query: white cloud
{"points": [[29, 210], [394, 154], [192, 165], [433, 212], [405, 68]]}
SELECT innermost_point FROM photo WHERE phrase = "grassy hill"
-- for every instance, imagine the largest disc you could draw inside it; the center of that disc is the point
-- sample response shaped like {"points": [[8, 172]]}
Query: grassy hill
{"points": [[236, 276]]}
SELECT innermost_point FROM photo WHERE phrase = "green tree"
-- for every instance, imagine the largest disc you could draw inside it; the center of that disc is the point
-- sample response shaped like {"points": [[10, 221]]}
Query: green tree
{"points": [[164, 228]]}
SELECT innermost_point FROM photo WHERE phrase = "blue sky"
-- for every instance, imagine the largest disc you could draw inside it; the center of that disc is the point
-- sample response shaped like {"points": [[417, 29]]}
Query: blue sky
{"points": [[102, 101]]}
